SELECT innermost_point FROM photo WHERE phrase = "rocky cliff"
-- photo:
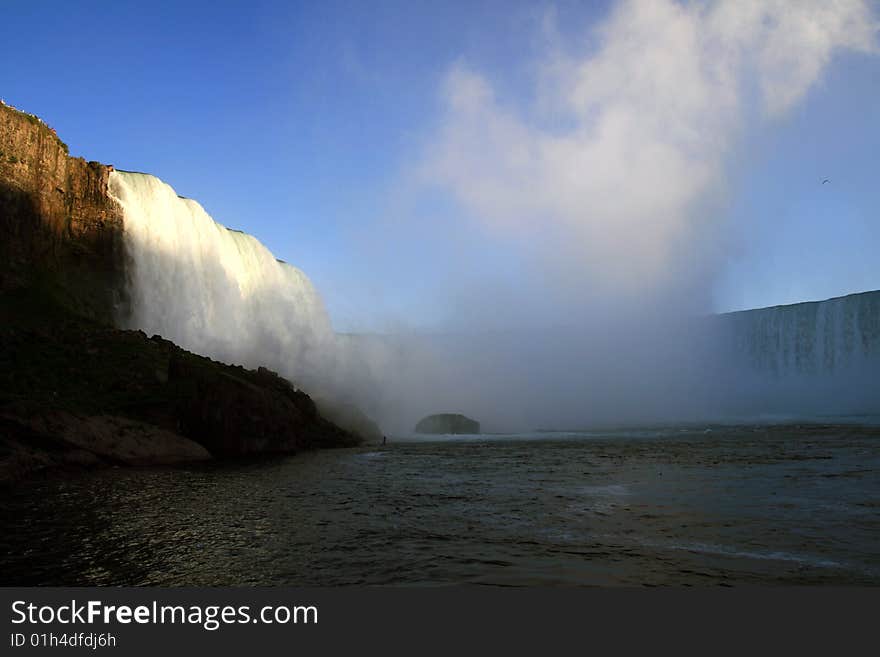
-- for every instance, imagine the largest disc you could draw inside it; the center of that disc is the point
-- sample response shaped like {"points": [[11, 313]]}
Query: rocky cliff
{"points": [[61, 231]]}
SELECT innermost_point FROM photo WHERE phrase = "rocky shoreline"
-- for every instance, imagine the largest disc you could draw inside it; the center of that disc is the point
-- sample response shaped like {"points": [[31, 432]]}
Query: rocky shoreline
{"points": [[75, 392]]}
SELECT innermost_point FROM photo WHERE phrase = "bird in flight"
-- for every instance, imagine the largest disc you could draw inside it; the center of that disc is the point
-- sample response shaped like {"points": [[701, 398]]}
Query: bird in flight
{"points": [[826, 181]]}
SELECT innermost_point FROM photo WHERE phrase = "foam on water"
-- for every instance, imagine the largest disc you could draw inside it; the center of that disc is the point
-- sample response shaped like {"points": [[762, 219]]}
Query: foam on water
{"points": [[726, 551]]}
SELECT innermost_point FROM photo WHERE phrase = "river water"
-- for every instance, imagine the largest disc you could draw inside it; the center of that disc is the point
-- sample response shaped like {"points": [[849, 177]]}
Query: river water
{"points": [[671, 506]]}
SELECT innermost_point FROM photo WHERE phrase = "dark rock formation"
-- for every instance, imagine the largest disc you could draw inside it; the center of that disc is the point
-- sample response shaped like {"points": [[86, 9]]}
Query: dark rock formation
{"points": [[233, 411], [75, 391], [60, 231], [447, 423], [33, 438]]}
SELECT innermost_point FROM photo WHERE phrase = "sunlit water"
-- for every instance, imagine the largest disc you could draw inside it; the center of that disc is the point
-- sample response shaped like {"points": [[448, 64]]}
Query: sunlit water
{"points": [[739, 505]]}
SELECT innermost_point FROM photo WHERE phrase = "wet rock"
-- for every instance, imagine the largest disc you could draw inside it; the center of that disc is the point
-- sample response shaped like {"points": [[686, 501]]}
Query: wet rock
{"points": [[448, 423]]}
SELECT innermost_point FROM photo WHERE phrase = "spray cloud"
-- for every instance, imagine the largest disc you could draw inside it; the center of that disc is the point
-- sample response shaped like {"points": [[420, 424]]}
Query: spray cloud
{"points": [[605, 189], [608, 186], [612, 172]]}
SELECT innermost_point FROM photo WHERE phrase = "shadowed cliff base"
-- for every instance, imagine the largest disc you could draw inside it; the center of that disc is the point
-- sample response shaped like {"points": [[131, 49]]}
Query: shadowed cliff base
{"points": [[74, 393]]}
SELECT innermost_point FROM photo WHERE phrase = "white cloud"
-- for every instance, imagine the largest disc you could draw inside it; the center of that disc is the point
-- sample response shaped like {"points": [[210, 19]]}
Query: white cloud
{"points": [[650, 117]]}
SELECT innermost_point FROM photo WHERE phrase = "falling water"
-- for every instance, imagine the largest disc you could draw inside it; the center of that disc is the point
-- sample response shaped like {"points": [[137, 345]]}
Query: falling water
{"points": [[813, 339], [217, 291]]}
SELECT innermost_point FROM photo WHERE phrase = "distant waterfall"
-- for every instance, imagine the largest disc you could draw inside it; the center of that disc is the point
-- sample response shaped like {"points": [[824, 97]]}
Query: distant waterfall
{"points": [[217, 291], [815, 339]]}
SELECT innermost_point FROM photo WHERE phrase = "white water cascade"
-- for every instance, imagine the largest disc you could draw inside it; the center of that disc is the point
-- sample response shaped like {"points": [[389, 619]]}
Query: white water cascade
{"points": [[216, 291], [814, 339]]}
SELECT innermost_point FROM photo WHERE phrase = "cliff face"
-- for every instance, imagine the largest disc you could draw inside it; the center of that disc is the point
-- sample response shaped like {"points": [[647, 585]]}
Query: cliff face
{"points": [[62, 233]]}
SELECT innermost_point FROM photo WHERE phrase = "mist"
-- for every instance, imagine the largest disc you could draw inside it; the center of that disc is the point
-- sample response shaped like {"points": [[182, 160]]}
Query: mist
{"points": [[590, 221], [566, 245]]}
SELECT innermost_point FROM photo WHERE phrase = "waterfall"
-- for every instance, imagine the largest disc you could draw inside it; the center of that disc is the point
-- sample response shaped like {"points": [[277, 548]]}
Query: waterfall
{"points": [[216, 291], [815, 339]]}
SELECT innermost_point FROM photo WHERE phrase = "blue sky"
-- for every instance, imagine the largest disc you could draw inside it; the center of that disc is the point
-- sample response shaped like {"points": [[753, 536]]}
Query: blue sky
{"points": [[807, 240], [302, 123]]}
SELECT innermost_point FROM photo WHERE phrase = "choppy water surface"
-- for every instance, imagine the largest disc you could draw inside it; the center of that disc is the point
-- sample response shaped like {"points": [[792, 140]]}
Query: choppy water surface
{"points": [[674, 506]]}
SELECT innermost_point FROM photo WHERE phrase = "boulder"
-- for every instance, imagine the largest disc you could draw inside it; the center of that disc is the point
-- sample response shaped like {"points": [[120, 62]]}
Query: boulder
{"points": [[447, 423]]}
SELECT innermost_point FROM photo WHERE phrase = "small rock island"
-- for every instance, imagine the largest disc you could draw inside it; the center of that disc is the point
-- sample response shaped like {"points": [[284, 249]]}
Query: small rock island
{"points": [[447, 423]]}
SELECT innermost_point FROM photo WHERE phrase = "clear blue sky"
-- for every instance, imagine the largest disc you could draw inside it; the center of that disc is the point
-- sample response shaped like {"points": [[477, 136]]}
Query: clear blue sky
{"points": [[297, 121]]}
